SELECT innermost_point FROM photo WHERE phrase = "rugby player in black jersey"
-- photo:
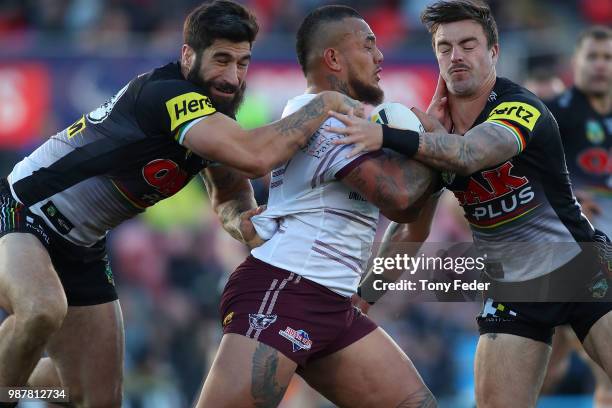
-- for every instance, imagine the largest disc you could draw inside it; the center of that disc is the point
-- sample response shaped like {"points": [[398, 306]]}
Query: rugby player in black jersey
{"points": [[140, 147], [504, 162], [584, 115]]}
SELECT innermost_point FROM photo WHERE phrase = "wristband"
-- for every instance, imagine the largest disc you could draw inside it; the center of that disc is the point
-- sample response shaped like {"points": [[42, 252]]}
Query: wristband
{"points": [[403, 141], [359, 294]]}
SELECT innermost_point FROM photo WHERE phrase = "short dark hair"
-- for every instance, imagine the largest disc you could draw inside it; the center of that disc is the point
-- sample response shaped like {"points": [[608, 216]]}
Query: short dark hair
{"points": [[598, 33], [457, 10], [220, 19], [312, 23]]}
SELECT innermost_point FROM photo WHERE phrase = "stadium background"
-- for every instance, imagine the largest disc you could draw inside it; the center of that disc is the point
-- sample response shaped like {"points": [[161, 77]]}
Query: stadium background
{"points": [[62, 58]]}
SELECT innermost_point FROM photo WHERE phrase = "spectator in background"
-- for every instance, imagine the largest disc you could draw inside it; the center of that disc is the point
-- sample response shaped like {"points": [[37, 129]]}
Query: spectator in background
{"points": [[544, 83]]}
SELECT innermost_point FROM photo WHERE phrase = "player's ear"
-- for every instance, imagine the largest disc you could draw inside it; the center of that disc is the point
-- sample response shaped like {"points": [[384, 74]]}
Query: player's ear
{"points": [[331, 58], [187, 56], [494, 53]]}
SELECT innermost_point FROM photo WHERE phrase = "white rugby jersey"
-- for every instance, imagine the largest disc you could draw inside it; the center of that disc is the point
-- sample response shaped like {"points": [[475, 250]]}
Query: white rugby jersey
{"points": [[315, 225]]}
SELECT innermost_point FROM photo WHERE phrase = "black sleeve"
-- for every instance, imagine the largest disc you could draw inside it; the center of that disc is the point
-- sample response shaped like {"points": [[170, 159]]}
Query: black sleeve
{"points": [[168, 107], [519, 113]]}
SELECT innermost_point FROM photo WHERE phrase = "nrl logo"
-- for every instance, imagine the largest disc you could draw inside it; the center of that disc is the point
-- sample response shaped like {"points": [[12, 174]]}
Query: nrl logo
{"points": [[260, 321]]}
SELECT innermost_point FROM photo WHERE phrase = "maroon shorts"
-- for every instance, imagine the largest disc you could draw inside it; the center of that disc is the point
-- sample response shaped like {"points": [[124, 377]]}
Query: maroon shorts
{"points": [[298, 317]]}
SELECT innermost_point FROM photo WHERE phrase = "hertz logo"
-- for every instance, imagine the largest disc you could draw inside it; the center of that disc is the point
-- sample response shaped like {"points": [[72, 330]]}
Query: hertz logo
{"points": [[186, 107], [519, 112]]}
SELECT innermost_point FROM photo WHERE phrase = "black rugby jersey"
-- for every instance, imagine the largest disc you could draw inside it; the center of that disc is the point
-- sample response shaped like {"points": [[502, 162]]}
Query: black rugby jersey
{"points": [[587, 139], [117, 160], [523, 212]]}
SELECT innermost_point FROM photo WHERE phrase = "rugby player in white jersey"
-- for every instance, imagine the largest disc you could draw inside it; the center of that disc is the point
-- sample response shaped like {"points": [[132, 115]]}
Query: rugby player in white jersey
{"points": [[141, 146], [287, 308]]}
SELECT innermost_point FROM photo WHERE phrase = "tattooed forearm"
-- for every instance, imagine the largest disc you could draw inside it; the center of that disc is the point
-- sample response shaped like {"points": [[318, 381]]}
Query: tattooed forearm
{"points": [[265, 389], [392, 183], [481, 147], [296, 121], [337, 85], [416, 176], [230, 195], [229, 214], [305, 121]]}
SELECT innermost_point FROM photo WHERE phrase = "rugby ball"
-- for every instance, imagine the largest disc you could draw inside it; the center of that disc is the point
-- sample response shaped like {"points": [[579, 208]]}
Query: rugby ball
{"points": [[397, 115]]}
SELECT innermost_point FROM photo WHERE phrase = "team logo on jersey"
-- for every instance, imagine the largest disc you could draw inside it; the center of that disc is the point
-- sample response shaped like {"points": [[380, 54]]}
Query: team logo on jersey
{"points": [[186, 107], [260, 321], [76, 128], [299, 338], [522, 113], [595, 132], [228, 318], [595, 160]]}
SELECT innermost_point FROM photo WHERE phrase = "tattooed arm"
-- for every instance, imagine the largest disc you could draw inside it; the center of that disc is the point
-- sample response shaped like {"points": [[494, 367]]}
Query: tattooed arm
{"points": [[256, 152], [396, 185], [231, 196], [483, 146]]}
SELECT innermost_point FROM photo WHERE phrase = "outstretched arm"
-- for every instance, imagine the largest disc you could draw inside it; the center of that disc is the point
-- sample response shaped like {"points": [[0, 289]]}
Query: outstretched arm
{"points": [[256, 152], [232, 199], [483, 146]]}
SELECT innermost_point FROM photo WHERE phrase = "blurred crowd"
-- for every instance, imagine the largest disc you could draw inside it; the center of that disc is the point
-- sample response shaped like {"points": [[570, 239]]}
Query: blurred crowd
{"points": [[171, 264], [95, 24]]}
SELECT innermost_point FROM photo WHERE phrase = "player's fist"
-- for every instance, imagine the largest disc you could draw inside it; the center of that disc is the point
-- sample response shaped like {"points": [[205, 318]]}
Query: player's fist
{"points": [[338, 102], [247, 229], [360, 304]]}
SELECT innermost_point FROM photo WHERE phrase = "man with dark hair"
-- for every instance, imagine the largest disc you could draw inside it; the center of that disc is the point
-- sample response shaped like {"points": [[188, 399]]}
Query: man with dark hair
{"points": [[504, 162], [141, 146], [287, 308], [584, 115]]}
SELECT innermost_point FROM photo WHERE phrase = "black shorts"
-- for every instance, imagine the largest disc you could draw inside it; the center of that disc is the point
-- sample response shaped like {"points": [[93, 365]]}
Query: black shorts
{"points": [[537, 320], [85, 272]]}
